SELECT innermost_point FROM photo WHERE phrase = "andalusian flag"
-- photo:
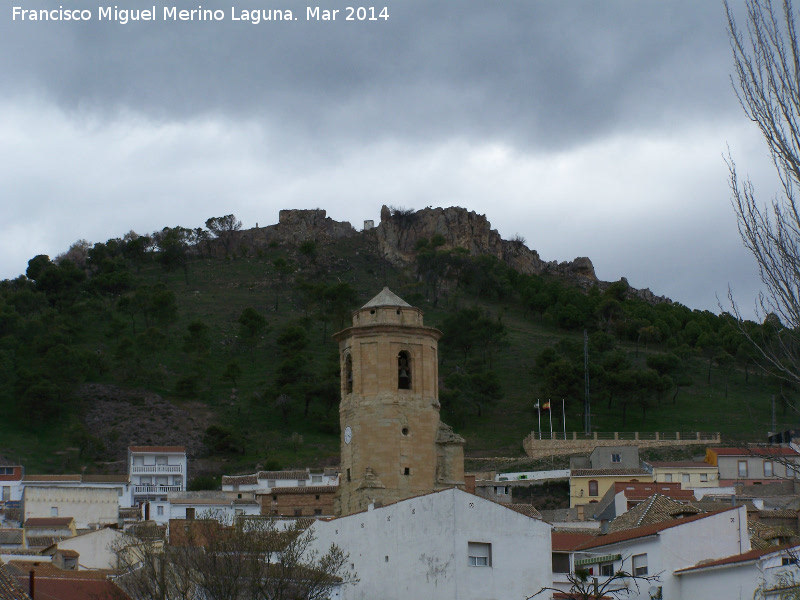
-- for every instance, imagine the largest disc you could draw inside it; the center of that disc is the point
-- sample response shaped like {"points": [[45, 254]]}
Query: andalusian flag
{"points": [[546, 405]]}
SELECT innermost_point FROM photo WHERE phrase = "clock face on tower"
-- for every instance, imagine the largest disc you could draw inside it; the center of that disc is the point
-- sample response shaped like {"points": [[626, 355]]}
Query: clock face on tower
{"points": [[348, 434]]}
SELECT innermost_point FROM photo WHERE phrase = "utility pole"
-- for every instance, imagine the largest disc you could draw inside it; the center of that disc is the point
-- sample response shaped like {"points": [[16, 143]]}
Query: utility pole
{"points": [[587, 418]]}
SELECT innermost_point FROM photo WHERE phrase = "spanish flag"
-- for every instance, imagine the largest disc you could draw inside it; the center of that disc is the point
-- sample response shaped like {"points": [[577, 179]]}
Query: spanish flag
{"points": [[546, 405]]}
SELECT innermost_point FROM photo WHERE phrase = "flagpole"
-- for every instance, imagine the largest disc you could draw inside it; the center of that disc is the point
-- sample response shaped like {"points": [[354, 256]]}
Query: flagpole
{"points": [[564, 417], [539, 410], [551, 419]]}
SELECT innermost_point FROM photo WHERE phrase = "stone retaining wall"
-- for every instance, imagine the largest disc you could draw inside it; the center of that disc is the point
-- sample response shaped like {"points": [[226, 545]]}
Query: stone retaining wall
{"points": [[581, 444]]}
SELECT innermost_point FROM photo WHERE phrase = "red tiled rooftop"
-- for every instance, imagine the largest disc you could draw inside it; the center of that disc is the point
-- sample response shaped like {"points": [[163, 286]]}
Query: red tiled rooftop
{"points": [[645, 531], [736, 558], [282, 475], [306, 489], [48, 522], [39, 478], [608, 472], [682, 464], [564, 541]]}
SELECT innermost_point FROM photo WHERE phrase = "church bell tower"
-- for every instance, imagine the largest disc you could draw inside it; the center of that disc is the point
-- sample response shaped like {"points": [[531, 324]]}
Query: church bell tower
{"points": [[393, 445]]}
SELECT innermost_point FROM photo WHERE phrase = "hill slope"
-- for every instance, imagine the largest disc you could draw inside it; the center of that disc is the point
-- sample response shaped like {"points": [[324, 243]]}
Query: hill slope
{"points": [[222, 343]]}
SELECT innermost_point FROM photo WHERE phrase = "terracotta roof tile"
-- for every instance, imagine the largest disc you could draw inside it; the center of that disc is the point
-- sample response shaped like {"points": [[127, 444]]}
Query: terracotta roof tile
{"points": [[564, 542], [683, 464], [778, 514], [282, 475], [49, 522], [10, 536], [603, 472], [640, 532], [42, 541], [524, 509], [10, 589], [239, 480], [736, 558], [60, 478], [105, 478], [654, 509], [306, 489]]}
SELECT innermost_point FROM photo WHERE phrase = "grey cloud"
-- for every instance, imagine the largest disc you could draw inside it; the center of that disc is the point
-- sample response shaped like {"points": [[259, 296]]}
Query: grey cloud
{"points": [[540, 74]]}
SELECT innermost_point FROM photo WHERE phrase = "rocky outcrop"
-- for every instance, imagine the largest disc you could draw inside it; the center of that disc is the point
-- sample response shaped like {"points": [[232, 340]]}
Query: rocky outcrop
{"points": [[400, 232], [297, 226]]}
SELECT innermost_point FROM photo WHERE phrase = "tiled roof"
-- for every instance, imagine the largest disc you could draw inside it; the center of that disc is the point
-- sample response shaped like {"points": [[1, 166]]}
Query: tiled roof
{"points": [[64, 552], [754, 451], [105, 478], [165, 449], [682, 464], [42, 541], [282, 475], [654, 509], [524, 509], [49, 522], [640, 532], [305, 489], [53, 583], [48, 569], [9, 588], [602, 472], [60, 478], [730, 560], [564, 542], [778, 514], [204, 500], [10, 536], [239, 480]]}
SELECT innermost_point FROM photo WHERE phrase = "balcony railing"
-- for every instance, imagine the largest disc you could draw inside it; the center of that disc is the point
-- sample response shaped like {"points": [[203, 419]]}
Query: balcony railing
{"points": [[155, 489], [146, 469]]}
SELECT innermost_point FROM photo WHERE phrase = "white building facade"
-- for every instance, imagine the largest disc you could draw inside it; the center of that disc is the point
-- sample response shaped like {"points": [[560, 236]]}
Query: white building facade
{"points": [[446, 544], [155, 471]]}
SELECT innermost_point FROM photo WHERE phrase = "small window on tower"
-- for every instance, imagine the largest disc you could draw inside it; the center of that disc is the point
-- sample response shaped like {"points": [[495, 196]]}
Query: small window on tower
{"points": [[406, 471], [403, 371], [348, 374]]}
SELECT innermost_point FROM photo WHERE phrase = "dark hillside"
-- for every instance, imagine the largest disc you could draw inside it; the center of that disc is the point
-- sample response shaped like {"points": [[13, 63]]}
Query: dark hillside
{"points": [[220, 340]]}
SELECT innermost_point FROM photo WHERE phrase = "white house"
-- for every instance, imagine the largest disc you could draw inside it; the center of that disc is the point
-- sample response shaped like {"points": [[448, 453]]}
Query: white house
{"points": [[772, 572], [90, 507], [155, 471], [223, 506], [92, 549], [446, 544], [266, 481], [664, 548], [119, 484]]}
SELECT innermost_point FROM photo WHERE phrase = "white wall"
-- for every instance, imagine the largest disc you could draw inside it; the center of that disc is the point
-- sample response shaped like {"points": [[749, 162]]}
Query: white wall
{"points": [[95, 548], [533, 475], [417, 548], [88, 506]]}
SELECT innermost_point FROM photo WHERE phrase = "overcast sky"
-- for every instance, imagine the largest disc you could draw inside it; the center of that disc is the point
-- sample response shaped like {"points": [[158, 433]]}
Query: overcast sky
{"points": [[593, 128]]}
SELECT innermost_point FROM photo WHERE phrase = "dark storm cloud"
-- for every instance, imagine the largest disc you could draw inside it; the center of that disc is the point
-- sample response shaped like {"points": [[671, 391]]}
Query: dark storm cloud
{"points": [[538, 74]]}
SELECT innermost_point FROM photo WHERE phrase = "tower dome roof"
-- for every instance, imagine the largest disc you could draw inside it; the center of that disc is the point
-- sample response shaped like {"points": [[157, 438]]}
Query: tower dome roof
{"points": [[386, 297]]}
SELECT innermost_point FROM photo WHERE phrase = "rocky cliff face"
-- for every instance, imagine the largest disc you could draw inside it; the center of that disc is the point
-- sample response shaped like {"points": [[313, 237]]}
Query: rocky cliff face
{"points": [[297, 226], [399, 232]]}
